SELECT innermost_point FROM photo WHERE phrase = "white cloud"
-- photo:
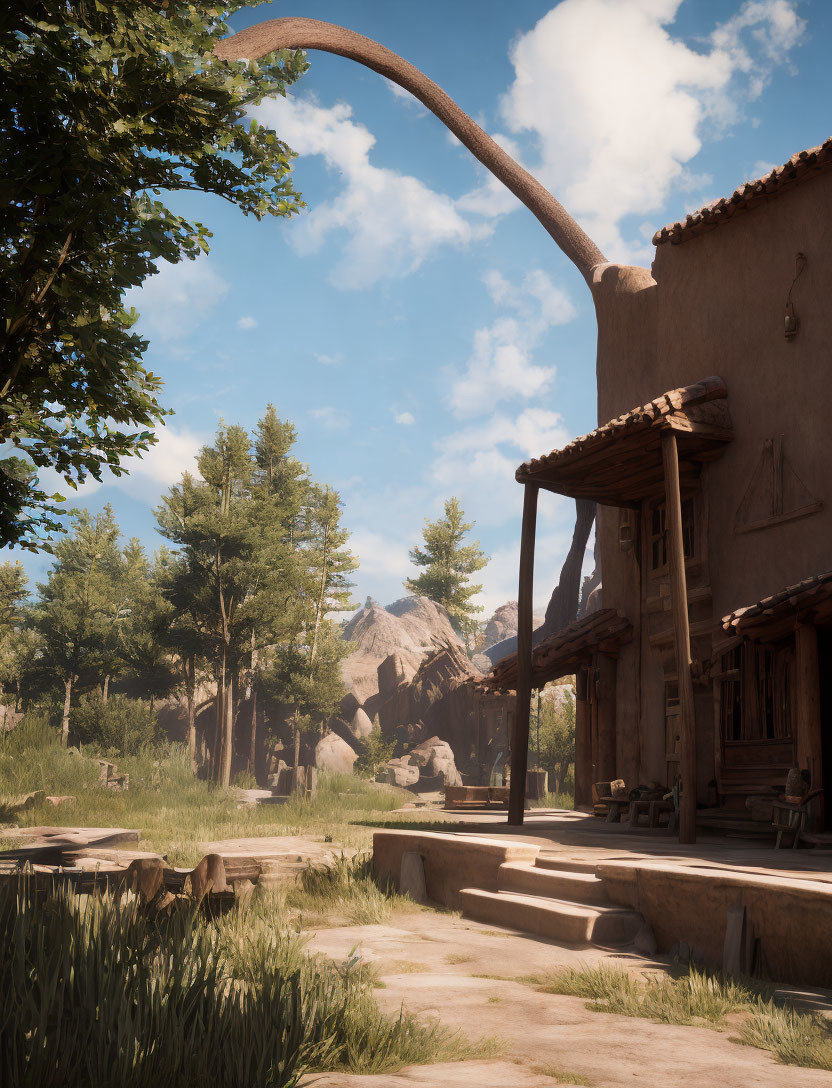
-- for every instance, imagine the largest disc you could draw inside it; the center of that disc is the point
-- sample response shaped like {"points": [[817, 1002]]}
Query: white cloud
{"points": [[331, 418], [328, 360], [247, 322], [171, 303], [617, 106], [380, 556], [162, 466], [502, 364], [406, 419], [390, 222], [479, 461]]}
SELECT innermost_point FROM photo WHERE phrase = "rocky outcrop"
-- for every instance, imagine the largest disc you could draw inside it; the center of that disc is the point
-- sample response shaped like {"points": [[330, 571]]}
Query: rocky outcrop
{"points": [[429, 766], [435, 757], [500, 638], [399, 772], [333, 754], [408, 629]]}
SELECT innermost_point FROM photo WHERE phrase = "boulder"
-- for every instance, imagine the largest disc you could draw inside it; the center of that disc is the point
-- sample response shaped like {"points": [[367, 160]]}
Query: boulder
{"points": [[334, 754], [482, 662], [360, 725], [434, 757], [398, 772]]}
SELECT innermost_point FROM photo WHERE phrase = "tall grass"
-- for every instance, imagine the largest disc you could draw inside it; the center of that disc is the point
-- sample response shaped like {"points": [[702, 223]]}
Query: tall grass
{"points": [[175, 810], [95, 994]]}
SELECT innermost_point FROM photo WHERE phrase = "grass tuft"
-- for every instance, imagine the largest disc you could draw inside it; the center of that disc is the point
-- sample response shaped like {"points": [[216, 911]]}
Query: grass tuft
{"points": [[562, 1076], [700, 997], [346, 889], [796, 1038]]}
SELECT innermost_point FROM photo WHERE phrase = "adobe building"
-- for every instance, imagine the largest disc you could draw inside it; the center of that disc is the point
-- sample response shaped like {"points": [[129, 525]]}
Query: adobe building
{"points": [[710, 657]]}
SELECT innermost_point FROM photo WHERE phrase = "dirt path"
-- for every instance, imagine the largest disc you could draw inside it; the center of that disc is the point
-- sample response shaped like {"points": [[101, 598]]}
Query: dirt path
{"points": [[433, 964]]}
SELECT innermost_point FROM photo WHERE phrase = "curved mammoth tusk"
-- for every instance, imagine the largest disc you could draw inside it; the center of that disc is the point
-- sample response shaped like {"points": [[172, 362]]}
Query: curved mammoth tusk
{"points": [[295, 33]]}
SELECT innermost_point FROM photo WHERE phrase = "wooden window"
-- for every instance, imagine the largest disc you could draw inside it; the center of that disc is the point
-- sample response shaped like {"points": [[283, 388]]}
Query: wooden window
{"points": [[658, 533], [755, 693]]}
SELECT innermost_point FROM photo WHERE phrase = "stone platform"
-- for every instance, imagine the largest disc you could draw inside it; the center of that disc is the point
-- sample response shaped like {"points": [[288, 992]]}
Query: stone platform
{"points": [[563, 876]]}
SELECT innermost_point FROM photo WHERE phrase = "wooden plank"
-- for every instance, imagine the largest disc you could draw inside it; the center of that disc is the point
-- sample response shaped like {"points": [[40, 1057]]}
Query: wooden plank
{"points": [[681, 628], [520, 738]]}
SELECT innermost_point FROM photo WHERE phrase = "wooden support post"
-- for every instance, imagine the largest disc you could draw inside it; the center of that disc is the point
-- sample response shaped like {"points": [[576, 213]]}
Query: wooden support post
{"points": [[607, 669], [807, 674], [583, 741], [681, 630], [520, 734]]}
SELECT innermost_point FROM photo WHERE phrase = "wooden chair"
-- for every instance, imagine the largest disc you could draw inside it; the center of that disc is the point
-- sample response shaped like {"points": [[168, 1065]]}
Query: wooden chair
{"points": [[790, 816]]}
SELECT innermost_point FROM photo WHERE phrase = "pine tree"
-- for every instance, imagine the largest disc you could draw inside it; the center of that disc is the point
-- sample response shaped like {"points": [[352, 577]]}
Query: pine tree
{"points": [[74, 615], [448, 566]]}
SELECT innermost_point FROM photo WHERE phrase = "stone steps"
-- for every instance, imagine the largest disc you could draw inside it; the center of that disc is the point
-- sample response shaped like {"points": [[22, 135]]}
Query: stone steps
{"points": [[577, 924], [565, 864], [579, 887]]}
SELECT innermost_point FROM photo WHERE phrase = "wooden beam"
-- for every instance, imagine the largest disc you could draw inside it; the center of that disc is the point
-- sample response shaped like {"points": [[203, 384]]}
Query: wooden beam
{"points": [[520, 737], [681, 632]]}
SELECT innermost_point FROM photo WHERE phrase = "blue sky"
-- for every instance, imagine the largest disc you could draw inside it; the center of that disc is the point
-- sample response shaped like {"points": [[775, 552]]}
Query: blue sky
{"points": [[417, 324]]}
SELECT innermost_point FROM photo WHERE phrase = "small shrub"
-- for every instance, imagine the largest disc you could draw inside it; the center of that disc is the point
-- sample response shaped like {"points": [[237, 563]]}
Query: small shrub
{"points": [[120, 725], [373, 752], [34, 732]]}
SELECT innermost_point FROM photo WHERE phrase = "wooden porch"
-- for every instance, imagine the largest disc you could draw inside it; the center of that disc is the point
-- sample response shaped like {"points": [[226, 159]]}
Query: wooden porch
{"points": [[653, 452]]}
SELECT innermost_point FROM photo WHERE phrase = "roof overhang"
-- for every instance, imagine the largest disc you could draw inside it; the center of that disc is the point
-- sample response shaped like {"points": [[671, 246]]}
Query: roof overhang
{"points": [[561, 654], [774, 617], [620, 464]]}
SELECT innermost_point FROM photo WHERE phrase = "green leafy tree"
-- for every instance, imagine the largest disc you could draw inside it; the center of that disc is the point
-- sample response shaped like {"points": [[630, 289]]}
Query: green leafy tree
{"points": [[448, 565], [103, 106]]}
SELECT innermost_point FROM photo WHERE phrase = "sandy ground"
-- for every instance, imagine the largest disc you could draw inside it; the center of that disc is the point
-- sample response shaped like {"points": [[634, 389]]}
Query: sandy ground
{"points": [[432, 963]]}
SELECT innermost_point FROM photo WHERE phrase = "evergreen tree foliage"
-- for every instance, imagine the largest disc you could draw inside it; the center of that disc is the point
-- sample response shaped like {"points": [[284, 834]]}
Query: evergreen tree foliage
{"points": [[448, 564], [557, 740], [74, 616], [260, 561], [103, 106], [374, 751]]}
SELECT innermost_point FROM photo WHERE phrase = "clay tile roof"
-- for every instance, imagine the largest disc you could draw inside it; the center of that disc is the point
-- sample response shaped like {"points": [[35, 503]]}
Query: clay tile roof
{"points": [[621, 459], [562, 652], [786, 603], [751, 193]]}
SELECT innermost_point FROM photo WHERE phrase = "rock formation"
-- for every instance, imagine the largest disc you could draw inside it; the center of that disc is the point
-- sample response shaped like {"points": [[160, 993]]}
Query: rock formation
{"points": [[409, 628]]}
